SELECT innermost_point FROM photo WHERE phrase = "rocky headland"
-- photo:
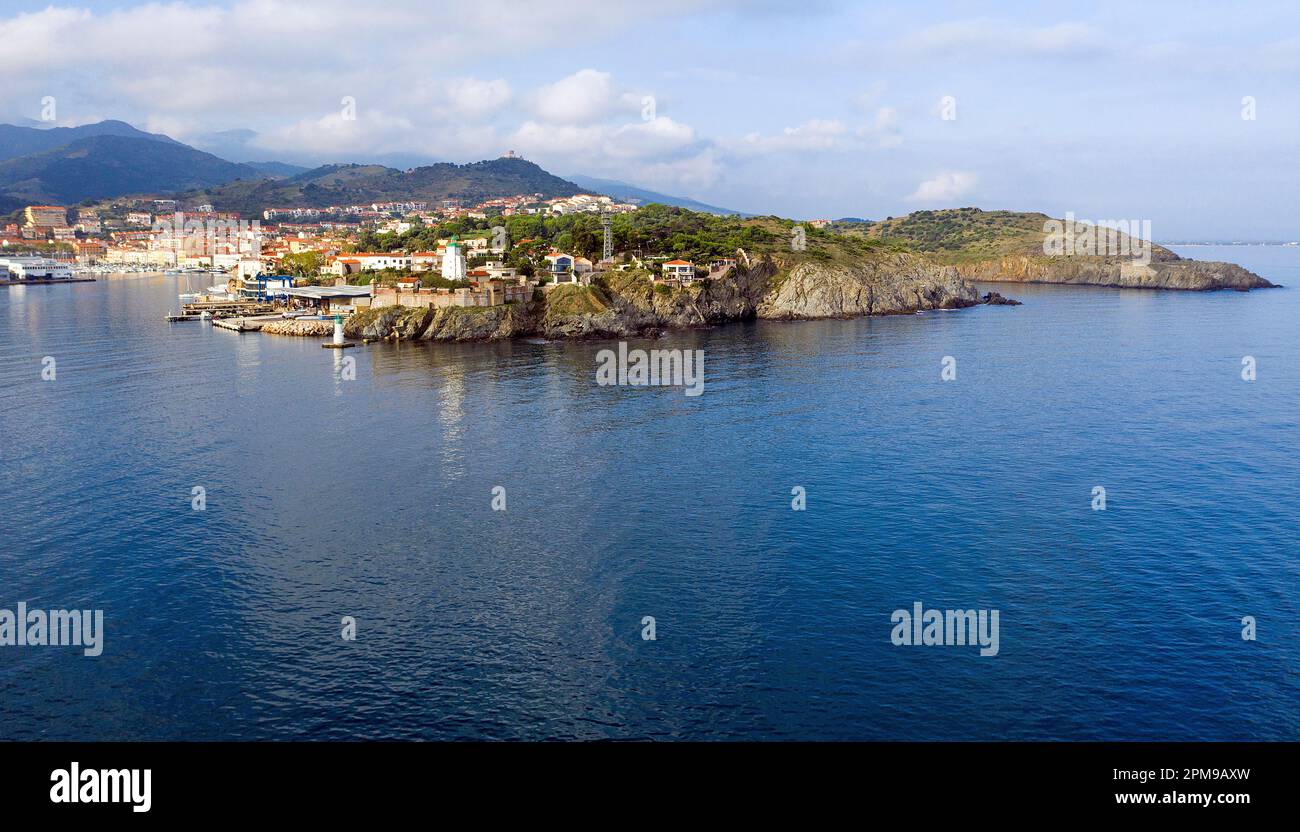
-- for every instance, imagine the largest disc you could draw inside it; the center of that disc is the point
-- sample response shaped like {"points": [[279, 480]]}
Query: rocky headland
{"points": [[1016, 247], [923, 261], [622, 304], [1165, 273]]}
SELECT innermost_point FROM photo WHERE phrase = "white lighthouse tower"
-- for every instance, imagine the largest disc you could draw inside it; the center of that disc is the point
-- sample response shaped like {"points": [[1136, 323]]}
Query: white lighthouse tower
{"points": [[453, 261]]}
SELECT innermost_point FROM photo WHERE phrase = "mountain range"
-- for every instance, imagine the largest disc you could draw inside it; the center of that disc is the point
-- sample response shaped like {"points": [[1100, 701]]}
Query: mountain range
{"points": [[23, 141], [360, 184], [71, 165], [98, 167], [640, 196]]}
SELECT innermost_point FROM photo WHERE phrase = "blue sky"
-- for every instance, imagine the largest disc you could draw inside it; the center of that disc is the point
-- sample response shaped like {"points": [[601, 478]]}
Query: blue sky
{"points": [[820, 109]]}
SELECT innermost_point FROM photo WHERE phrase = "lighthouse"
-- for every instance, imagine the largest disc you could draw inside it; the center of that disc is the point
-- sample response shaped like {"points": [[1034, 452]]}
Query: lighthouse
{"points": [[453, 261]]}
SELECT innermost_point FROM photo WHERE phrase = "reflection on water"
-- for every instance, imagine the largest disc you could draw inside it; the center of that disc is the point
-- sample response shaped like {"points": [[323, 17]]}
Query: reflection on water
{"points": [[371, 498]]}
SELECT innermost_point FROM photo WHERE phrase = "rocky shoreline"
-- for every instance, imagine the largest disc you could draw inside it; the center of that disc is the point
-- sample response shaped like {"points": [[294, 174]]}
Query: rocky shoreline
{"points": [[1169, 272], [625, 304]]}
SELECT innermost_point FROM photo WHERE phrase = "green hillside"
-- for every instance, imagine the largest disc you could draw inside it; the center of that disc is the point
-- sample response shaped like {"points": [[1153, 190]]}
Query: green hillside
{"points": [[364, 184], [98, 167], [962, 234]]}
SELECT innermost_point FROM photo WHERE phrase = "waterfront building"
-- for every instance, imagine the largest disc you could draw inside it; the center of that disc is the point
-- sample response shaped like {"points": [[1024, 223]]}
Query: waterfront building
{"points": [[330, 300], [90, 251], [33, 268], [263, 287], [682, 271]]}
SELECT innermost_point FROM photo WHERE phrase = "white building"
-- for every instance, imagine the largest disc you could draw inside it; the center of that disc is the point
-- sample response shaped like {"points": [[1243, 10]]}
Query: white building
{"points": [[499, 270], [453, 261], [248, 267], [423, 261], [347, 264], [263, 287], [682, 270], [561, 267], [33, 268]]}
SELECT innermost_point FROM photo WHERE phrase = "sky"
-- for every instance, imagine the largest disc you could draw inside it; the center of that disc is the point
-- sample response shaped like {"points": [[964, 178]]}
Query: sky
{"points": [[1184, 114]]}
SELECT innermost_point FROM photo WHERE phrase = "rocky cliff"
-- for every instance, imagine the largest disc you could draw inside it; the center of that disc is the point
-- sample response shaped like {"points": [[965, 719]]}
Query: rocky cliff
{"points": [[890, 285], [622, 304]]}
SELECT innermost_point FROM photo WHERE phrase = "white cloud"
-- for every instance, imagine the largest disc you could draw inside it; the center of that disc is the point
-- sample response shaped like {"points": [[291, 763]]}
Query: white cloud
{"points": [[477, 100], [658, 153], [883, 131], [996, 38], [814, 135], [372, 131], [586, 95], [944, 187]]}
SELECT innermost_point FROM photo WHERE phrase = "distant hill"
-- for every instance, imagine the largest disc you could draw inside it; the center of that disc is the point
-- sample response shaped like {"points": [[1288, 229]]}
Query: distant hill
{"points": [[361, 184], [69, 165], [959, 234], [640, 196], [280, 169], [103, 166], [23, 141]]}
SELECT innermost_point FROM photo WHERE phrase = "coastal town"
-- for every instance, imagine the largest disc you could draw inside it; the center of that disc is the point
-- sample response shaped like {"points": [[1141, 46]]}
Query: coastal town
{"points": [[314, 263]]}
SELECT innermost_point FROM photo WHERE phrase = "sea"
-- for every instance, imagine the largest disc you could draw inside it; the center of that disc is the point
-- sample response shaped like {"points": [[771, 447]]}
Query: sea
{"points": [[479, 541]]}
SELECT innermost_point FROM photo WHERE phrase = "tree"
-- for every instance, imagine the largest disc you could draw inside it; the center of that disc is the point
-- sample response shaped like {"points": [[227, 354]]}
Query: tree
{"points": [[303, 264]]}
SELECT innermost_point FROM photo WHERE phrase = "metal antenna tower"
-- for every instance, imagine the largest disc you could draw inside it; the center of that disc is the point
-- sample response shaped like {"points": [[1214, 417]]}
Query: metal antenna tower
{"points": [[606, 223]]}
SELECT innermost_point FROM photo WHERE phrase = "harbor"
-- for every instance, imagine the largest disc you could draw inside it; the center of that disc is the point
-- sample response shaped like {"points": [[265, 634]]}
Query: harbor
{"points": [[282, 309]]}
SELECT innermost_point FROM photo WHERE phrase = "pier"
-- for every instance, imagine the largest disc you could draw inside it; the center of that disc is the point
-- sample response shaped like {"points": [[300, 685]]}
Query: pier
{"points": [[42, 281], [219, 310], [246, 324]]}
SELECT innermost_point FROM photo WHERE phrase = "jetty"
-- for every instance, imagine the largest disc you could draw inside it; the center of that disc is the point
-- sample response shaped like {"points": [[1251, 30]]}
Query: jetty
{"points": [[246, 324], [226, 308], [220, 309], [42, 281]]}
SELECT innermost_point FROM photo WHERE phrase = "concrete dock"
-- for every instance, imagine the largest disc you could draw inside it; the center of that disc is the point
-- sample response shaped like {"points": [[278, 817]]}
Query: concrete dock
{"points": [[246, 324]]}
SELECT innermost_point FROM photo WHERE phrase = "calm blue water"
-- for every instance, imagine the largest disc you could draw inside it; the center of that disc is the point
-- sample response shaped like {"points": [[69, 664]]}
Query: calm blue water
{"points": [[371, 498]]}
